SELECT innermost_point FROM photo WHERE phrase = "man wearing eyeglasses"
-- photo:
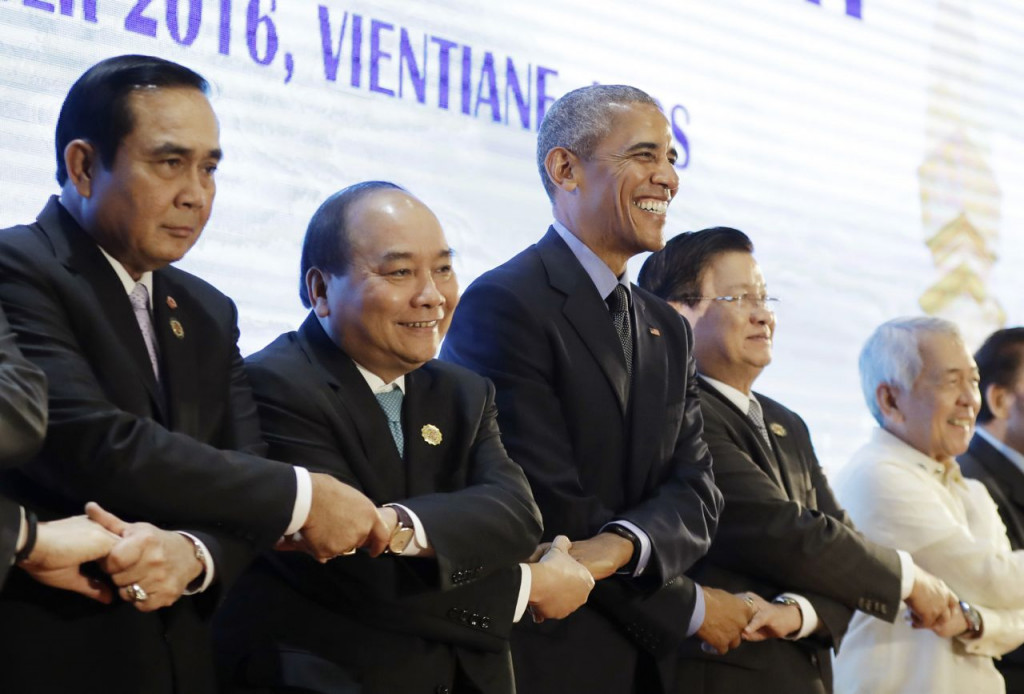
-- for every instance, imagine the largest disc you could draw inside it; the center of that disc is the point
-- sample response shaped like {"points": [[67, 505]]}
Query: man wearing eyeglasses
{"points": [[782, 536]]}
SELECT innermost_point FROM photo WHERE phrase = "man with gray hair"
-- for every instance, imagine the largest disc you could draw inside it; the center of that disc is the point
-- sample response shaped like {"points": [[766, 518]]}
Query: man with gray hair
{"points": [[597, 401], [904, 489]]}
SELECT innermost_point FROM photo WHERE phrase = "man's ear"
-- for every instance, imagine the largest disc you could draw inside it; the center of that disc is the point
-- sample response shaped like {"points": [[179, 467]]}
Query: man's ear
{"points": [[81, 160], [316, 287], [999, 400], [564, 168], [885, 396]]}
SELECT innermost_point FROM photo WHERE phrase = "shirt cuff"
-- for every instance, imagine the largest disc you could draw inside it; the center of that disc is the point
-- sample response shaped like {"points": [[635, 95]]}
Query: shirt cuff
{"points": [[207, 560], [809, 614], [524, 593], [697, 618], [419, 542], [645, 544], [908, 574], [303, 501]]}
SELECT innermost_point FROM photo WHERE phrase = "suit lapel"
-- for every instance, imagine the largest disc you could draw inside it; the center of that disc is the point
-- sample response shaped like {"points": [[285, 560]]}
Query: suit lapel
{"points": [[650, 393], [80, 255], [1009, 477], [586, 311], [171, 310], [760, 452], [785, 459], [382, 471], [430, 431]]}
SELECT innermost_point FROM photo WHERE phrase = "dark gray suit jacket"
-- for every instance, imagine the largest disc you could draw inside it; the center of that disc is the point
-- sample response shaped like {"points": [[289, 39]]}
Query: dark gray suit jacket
{"points": [[1005, 483], [385, 624], [22, 425], [782, 531], [596, 448]]}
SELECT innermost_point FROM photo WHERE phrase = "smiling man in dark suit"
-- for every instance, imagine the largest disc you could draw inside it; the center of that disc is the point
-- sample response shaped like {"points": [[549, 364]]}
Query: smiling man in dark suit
{"points": [[356, 393], [149, 410], [782, 536], [597, 400], [996, 453]]}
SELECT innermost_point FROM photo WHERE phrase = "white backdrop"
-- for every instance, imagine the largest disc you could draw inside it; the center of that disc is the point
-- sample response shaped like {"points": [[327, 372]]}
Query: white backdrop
{"points": [[873, 149]]}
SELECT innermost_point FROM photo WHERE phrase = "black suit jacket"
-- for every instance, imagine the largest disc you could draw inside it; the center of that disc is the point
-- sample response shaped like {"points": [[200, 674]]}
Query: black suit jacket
{"points": [[22, 425], [386, 624], [595, 448], [782, 530], [145, 453], [1005, 483]]}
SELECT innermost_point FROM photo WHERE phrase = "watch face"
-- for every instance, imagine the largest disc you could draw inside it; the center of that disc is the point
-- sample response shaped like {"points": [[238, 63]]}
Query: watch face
{"points": [[400, 539]]}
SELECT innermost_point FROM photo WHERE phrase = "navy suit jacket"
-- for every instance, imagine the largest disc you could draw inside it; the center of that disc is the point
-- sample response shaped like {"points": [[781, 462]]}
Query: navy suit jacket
{"points": [[166, 454], [595, 448], [385, 624]]}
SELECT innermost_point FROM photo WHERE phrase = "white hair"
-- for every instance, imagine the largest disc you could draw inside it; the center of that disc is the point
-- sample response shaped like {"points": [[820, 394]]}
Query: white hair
{"points": [[892, 355]]}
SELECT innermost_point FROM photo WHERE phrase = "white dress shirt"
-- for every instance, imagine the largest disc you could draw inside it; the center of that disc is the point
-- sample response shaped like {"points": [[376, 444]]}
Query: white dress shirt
{"points": [[900, 497]]}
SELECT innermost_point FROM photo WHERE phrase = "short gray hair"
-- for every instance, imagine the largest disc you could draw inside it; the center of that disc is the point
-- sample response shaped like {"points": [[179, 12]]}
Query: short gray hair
{"points": [[580, 120], [892, 355]]}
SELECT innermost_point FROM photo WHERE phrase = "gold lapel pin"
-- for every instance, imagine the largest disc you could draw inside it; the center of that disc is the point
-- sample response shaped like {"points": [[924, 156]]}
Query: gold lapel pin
{"points": [[431, 434], [778, 429], [179, 332], [171, 303], [655, 332]]}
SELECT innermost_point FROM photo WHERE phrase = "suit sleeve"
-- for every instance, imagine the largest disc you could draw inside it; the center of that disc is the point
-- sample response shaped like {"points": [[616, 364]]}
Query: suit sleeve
{"points": [[763, 533], [22, 401], [493, 520], [131, 464]]}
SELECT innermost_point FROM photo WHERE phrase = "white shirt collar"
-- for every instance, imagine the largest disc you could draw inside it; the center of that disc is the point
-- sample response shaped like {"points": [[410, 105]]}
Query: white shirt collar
{"points": [[737, 397], [126, 279], [1014, 456], [377, 384], [599, 273], [947, 476]]}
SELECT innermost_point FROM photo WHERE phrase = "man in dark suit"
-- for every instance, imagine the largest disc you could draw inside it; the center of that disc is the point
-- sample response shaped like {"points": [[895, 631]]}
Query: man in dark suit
{"points": [[996, 454], [149, 410], [598, 403], [782, 536], [356, 393]]}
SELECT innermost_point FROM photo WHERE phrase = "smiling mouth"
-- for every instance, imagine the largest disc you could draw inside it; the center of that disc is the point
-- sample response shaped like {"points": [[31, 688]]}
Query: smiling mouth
{"points": [[655, 206], [965, 423], [421, 324]]}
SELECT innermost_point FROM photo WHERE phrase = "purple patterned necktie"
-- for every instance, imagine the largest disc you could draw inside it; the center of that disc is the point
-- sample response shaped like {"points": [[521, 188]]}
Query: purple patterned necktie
{"points": [[140, 303]]}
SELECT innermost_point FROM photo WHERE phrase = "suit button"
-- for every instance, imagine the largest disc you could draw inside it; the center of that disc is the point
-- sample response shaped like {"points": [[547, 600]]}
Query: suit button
{"points": [[814, 659], [441, 689], [485, 623]]}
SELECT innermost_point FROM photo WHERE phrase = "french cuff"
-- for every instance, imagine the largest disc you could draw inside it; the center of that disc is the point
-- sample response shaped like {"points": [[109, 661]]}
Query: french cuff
{"points": [[419, 542], [524, 593], [697, 618], [908, 573], [809, 614], [203, 581], [303, 501], [645, 544]]}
